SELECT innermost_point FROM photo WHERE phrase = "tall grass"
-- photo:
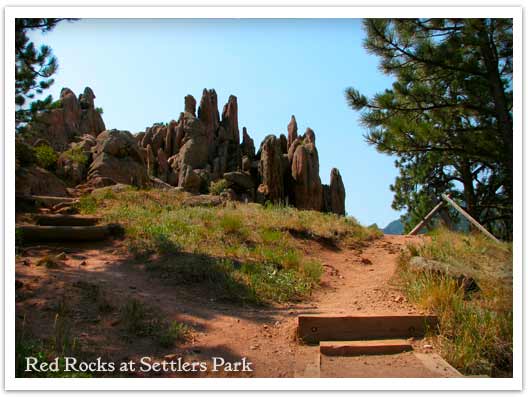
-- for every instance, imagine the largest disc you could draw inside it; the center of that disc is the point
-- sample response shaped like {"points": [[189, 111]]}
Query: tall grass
{"points": [[247, 245], [475, 331]]}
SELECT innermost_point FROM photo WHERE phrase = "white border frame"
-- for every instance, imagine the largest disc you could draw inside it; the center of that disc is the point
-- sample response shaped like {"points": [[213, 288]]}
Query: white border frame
{"points": [[12, 383]]}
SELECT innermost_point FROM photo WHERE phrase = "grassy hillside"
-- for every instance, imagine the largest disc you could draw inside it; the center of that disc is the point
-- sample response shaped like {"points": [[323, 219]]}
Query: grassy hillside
{"points": [[247, 252], [476, 330]]}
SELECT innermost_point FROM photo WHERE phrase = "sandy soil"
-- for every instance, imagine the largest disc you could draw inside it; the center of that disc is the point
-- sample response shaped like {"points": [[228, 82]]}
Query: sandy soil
{"points": [[356, 280]]}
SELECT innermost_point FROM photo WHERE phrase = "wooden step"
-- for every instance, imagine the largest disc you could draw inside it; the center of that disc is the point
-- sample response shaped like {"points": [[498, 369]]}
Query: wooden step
{"points": [[316, 328], [364, 347], [48, 201], [30, 233], [66, 220]]}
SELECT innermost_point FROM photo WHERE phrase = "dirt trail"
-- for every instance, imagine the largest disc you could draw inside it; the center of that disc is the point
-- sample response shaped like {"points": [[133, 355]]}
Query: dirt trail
{"points": [[355, 281]]}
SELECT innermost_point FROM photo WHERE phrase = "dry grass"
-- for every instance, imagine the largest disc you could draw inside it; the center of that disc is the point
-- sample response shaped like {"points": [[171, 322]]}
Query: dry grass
{"points": [[248, 248], [476, 331]]}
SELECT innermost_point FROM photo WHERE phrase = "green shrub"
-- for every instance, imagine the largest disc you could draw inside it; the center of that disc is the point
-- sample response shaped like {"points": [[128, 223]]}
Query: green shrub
{"points": [[87, 204], [76, 155], [46, 157], [56, 105], [217, 187], [232, 223], [99, 110]]}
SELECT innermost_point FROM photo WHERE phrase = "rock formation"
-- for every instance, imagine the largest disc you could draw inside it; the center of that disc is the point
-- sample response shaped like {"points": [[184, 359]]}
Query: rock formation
{"points": [[116, 156], [337, 193], [307, 188], [271, 170], [34, 180], [199, 148], [71, 118], [292, 130], [202, 147]]}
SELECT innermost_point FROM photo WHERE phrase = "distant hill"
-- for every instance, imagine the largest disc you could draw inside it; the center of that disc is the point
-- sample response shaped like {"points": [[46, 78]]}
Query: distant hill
{"points": [[395, 227]]}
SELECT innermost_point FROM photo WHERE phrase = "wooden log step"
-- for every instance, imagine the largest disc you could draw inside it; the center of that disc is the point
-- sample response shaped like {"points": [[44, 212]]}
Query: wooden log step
{"points": [[364, 347], [66, 220], [32, 233], [48, 201], [316, 328]]}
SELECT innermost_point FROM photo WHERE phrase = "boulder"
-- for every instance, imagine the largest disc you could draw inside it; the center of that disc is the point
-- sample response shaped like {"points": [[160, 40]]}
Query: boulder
{"points": [[194, 152], [117, 156], [239, 180], [462, 278], [307, 188], [189, 179], [72, 164], [71, 169], [337, 193], [33, 180], [271, 169]]}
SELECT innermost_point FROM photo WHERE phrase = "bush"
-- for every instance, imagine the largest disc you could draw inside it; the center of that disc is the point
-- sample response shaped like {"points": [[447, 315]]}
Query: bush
{"points": [[46, 157], [56, 105], [217, 187], [76, 155]]}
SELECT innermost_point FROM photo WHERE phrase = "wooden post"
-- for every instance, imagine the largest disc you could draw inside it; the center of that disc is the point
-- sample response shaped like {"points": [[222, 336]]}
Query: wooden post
{"points": [[469, 217], [427, 218]]}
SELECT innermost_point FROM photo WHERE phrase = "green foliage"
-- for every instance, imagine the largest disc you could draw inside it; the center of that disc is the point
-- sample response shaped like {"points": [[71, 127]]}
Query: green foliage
{"points": [[46, 157], [99, 110], [76, 155], [447, 116], [56, 105], [217, 187], [476, 331], [33, 68], [87, 204]]}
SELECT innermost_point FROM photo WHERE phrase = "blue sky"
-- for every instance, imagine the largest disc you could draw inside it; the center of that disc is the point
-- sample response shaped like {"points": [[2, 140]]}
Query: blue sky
{"points": [[140, 70]]}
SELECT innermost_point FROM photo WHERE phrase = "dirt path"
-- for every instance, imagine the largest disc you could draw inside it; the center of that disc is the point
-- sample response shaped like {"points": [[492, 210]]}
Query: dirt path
{"points": [[355, 281]]}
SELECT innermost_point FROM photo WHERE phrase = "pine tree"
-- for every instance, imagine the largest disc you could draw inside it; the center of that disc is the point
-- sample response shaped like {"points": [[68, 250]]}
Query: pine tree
{"points": [[34, 68], [448, 115]]}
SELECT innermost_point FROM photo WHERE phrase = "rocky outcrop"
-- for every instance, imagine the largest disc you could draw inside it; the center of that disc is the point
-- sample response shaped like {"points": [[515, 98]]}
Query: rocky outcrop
{"points": [[271, 170], [292, 130], [202, 147], [70, 118], [116, 156], [37, 181], [337, 193], [91, 121], [307, 188], [72, 164], [208, 115]]}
